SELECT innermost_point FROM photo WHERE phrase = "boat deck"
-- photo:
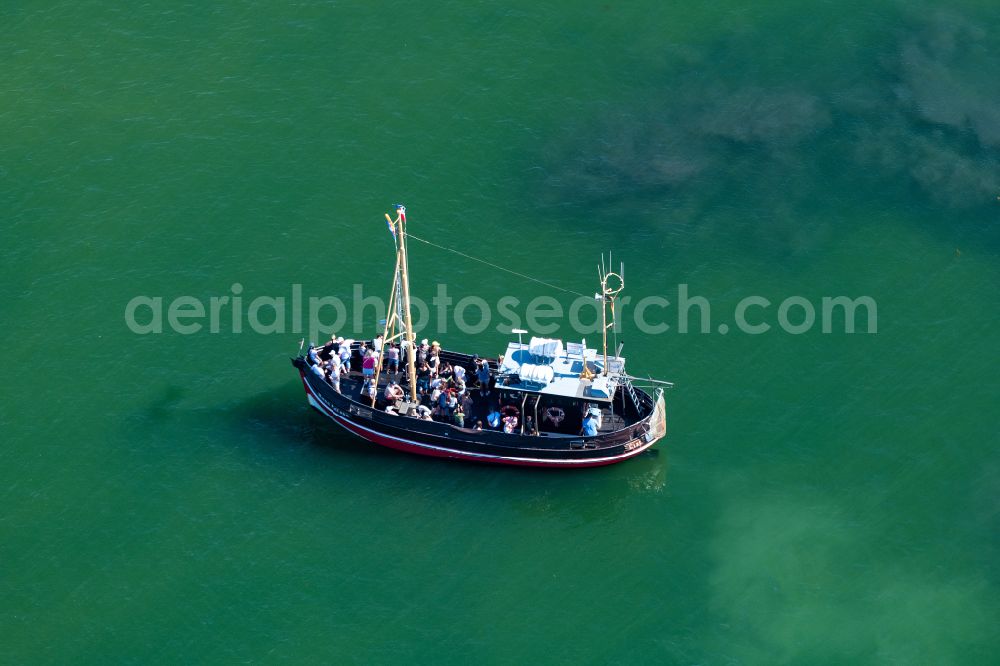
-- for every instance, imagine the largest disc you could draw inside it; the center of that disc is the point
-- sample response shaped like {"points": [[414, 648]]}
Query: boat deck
{"points": [[351, 385]]}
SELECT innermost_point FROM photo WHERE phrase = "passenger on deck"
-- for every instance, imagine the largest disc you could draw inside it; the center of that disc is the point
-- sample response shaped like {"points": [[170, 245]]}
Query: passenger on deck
{"points": [[529, 426], [434, 361], [446, 370], [368, 369], [317, 369], [483, 372], [589, 428], [478, 426], [331, 348], [393, 392], [493, 418], [423, 352], [345, 356], [423, 377], [425, 399], [333, 372], [392, 358], [459, 416], [510, 424], [459, 372], [449, 402]]}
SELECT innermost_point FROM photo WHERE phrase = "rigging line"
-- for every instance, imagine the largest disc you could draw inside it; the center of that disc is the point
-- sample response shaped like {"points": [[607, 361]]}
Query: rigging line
{"points": [[521, 275]]}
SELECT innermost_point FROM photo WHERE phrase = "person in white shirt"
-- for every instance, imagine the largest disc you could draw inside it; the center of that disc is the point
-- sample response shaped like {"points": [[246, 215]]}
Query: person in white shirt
{"points": [[345, 356], [333, 372]]}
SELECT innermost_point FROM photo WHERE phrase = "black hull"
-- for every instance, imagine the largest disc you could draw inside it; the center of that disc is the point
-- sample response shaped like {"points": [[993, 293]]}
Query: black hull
{"points": [[444, 440]]}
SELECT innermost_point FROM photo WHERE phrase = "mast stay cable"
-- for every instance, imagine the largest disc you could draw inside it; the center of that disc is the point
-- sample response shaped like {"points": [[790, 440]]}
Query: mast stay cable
{"points": [[507, 270]]}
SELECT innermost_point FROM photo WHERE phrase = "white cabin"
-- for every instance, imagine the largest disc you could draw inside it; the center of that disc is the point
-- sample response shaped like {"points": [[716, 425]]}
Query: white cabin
{"points": [[547, 367]]}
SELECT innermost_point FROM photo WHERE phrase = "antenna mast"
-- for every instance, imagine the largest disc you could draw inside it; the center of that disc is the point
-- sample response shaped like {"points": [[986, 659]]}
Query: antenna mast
{"points": [[611, 285]]}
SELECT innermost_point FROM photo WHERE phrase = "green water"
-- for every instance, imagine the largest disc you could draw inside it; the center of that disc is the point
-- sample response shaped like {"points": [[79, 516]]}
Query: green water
{"points": [[820, 498]]}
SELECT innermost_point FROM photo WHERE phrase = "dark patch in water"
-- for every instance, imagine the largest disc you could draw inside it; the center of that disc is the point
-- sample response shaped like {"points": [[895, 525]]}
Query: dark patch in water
{"points": [[284, 415], [920, 127], [946, 82], [162, 408]]}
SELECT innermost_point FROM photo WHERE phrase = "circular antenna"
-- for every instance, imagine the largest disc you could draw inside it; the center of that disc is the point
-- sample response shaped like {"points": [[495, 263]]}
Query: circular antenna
{"points": [[612, 284]]}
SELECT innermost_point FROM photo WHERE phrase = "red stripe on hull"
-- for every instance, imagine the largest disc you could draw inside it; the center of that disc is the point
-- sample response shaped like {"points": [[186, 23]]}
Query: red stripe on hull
{"points": [[438, 452]]}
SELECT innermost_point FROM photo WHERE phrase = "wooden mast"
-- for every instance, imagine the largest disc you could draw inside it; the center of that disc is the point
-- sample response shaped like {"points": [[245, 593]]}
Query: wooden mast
{"points": [[411, 349], [399, 296]]}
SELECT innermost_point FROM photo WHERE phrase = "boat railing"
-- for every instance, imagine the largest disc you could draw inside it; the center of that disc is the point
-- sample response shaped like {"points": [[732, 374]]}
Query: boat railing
{"points": [[633, 395]]}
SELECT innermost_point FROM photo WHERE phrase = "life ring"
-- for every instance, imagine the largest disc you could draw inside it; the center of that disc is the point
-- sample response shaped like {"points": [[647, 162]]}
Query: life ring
{"points": [[555, 415]]}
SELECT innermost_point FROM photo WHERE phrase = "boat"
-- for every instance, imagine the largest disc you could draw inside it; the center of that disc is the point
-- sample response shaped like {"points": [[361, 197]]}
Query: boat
{"points": [[541, 403]]}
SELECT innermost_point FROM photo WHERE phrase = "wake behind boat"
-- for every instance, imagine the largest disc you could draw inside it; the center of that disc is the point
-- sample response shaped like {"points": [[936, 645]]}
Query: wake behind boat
{"points": [[542, 403]]}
